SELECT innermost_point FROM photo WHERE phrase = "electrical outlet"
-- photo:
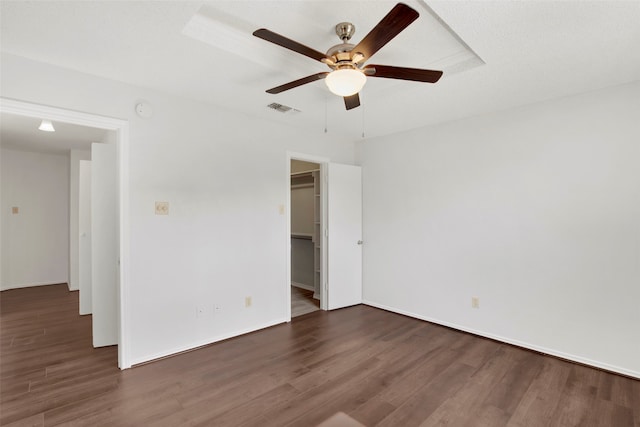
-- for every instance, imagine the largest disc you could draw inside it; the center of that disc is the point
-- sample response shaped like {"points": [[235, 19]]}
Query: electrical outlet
{"points": [[475, 302], [202, 310], [162, 208], [247, 301]]}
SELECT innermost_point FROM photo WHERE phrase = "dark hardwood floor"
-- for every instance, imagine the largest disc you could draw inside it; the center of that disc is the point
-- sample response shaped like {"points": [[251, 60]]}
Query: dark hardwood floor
{"points": [[379, 368]]}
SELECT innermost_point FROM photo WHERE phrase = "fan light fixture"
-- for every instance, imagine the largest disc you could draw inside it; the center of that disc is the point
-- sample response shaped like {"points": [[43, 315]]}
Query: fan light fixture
{"points": [[345, 82], [46, 126], [349, 74]]}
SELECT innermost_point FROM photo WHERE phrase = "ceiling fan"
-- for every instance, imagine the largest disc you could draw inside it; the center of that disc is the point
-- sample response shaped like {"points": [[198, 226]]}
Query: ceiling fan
{"points": [[349, 74]]}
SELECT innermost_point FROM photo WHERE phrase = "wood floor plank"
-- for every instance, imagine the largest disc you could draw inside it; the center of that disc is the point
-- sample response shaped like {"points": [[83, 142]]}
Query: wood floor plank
{"points": [[540, 401], [246, 412], [373, 385], [372, 411], [379, 368], [488, 377], [295, 411], [424, 402], [524, 367], [32, 421], [635, 401]]}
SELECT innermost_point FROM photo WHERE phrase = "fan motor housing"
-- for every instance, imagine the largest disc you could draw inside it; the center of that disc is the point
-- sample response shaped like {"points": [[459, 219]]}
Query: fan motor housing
{"points": [[341, 54], [341, 51]]}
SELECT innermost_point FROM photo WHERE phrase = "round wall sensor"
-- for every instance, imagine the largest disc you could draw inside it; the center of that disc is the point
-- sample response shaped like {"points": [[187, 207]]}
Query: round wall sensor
{"points": [[144, 110]]}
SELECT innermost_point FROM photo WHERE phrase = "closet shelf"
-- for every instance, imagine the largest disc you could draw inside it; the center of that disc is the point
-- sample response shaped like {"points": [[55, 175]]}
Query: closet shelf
{"points": [[306, 236]]}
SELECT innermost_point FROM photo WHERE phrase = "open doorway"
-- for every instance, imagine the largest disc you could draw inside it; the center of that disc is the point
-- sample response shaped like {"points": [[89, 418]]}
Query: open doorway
{"points": [[117, 134], [336, 233], [306, 237]]}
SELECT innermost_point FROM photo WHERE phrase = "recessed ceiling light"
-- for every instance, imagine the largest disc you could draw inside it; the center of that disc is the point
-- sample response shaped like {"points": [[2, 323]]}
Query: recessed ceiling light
{"points": [[46, 126]]}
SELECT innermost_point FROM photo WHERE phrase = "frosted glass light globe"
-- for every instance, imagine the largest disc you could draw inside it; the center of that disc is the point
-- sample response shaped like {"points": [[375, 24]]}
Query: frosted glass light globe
{"points": [[345, 82]]}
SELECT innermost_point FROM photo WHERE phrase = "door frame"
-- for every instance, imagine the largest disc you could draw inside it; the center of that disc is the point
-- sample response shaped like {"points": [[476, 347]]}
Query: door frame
{"points": [[121, 127], [322, 161]]}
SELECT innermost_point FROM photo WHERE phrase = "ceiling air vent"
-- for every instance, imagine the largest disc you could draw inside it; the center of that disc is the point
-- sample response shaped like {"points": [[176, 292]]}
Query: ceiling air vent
{"points": [[282, 108]]}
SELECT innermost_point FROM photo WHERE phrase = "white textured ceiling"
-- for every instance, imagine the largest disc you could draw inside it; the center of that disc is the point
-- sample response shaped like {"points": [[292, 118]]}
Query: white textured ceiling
{"points": [[532, 50]]}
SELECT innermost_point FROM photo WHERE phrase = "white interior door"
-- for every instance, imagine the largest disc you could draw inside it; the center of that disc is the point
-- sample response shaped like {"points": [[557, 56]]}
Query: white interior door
{"points": [[104, 244], [84, 236], [344, 226]]}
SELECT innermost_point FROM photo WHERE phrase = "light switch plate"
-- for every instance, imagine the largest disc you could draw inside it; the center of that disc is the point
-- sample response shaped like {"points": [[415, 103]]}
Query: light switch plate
{"points": [[162, 208]]}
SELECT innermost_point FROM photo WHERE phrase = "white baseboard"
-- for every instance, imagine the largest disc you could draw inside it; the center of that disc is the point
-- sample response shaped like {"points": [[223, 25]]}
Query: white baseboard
{"points": [[302, 286], [32, 285], [202, 343], [549, 351]]}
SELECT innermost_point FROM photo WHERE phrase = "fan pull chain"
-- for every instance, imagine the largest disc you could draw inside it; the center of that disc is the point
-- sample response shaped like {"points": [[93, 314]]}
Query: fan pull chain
{"points": [[362, 107], [325, 114]]}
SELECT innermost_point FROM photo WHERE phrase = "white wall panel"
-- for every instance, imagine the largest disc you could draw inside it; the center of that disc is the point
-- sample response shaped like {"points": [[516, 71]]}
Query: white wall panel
{"points": [[535, 211], [104, 244], [35, 241], [84, 237], [75, 156]]}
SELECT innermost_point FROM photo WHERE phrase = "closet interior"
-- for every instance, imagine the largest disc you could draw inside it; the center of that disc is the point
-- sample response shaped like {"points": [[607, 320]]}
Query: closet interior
{"points": [[306, 242]]}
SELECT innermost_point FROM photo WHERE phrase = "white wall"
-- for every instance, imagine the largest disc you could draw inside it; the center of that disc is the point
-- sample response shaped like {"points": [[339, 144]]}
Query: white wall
{"points": [[35, 242], [224, 238], [75, 156], [535, 211], [3, 225]]}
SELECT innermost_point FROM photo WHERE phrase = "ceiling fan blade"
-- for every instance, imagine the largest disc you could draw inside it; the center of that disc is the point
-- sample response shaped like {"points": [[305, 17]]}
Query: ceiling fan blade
{"points": [[402, 73], [391, 25], [299, 82], [352, 101], [272, 37]]}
